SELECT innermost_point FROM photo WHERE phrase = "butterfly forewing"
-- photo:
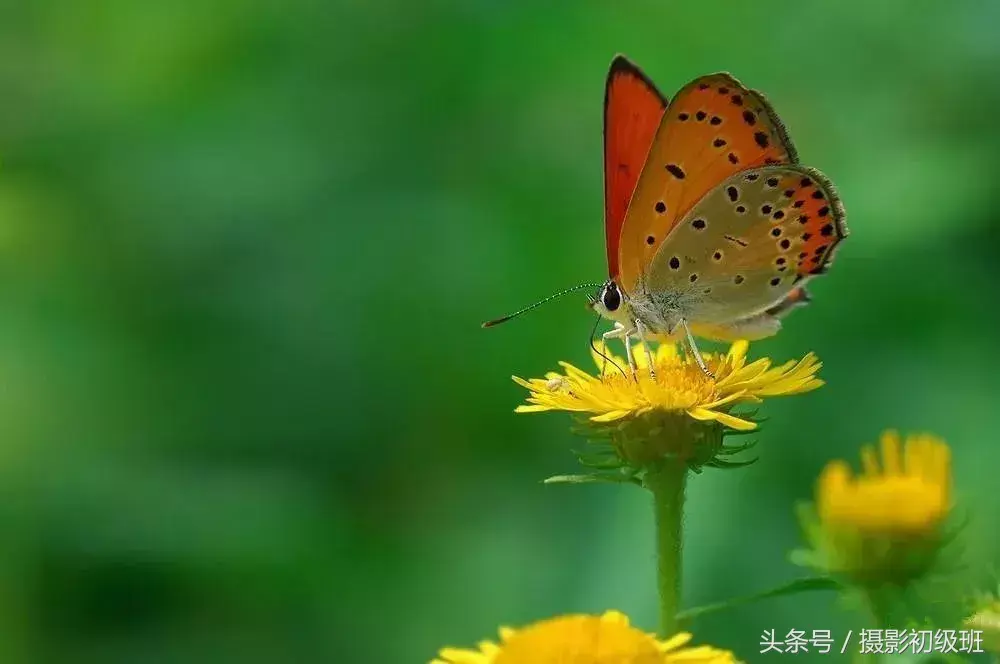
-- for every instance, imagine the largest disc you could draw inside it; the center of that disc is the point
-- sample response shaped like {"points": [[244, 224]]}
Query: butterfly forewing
{"points": [[713, 128], [747, 245], [633, 108]]}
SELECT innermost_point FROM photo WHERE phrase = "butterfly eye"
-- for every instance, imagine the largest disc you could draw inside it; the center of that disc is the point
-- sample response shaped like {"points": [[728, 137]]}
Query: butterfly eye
{"points": [[611, 298]]}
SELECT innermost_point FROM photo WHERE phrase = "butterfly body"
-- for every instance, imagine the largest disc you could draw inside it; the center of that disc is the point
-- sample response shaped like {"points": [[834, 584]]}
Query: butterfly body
{"points": [[661, 315], [723, 227]]}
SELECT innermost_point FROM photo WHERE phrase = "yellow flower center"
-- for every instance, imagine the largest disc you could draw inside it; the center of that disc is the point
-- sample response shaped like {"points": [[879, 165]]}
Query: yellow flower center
{"points": [[909, 495], [676, 386]]}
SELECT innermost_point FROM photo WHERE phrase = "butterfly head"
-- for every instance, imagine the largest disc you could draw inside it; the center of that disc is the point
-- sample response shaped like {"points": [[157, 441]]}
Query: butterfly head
{"points": [[611, 303]]}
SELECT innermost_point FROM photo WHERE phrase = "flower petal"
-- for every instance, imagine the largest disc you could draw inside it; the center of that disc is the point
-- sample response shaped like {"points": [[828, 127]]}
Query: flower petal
{"points": [[610, 416], [532, 408], [725, 400], [738, 350], [460, 656], [578, 374], [726, 419]]}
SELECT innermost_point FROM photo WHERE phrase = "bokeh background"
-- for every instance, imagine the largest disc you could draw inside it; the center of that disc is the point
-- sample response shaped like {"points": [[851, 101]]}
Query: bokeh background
{"points": [[247, 413]]}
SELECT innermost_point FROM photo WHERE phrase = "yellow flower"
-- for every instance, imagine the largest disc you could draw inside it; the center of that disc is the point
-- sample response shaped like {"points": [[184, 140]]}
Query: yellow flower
{"points": [[884, 526], [680, 413], [909, 493], [680, 386], [584, 639]]}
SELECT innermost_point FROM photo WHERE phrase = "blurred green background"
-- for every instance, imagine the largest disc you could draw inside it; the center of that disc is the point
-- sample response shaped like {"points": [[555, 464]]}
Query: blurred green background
{"points": [[247, 413]]}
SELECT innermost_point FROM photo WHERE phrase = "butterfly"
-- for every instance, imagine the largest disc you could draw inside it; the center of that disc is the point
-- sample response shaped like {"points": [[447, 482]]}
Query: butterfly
{"points": [[712, 226]]}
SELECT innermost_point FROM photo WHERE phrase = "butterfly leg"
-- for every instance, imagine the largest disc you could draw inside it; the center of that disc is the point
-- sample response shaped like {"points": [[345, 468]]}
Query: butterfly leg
{"points": [[641, 330], [623, 333], [619, 332], [627, 339], [616, 333], [694, 349]]}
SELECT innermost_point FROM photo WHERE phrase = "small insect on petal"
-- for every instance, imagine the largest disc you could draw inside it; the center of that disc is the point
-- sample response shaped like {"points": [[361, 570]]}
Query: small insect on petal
{"points": [[555, 384], [560, 385]]}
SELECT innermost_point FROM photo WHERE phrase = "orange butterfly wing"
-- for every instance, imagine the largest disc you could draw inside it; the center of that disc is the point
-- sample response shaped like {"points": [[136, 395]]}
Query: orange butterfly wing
{"points": [[633, 108], [819, 217], [714, 128]]}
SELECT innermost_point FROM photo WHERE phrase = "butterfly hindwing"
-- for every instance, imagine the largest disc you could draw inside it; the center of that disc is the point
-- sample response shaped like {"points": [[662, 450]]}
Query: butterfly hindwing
{"points": [[713, 128], [758, 326], [798, 297], [745, 248], [633, 108]]}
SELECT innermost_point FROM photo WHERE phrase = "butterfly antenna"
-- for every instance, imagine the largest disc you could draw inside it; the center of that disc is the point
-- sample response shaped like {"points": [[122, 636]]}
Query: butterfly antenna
{"points": [[497, 321], [593, 334]]}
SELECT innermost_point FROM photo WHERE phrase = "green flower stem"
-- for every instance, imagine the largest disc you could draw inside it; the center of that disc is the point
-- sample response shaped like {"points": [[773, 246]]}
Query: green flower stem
{"points": [[877, 611], [666, 482], [878, 608]]}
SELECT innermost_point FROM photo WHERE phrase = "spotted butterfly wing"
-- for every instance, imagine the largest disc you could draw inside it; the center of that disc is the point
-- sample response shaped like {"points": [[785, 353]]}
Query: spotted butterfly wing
{"points": [[744, 250], [633, 108], [714, 128]]}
